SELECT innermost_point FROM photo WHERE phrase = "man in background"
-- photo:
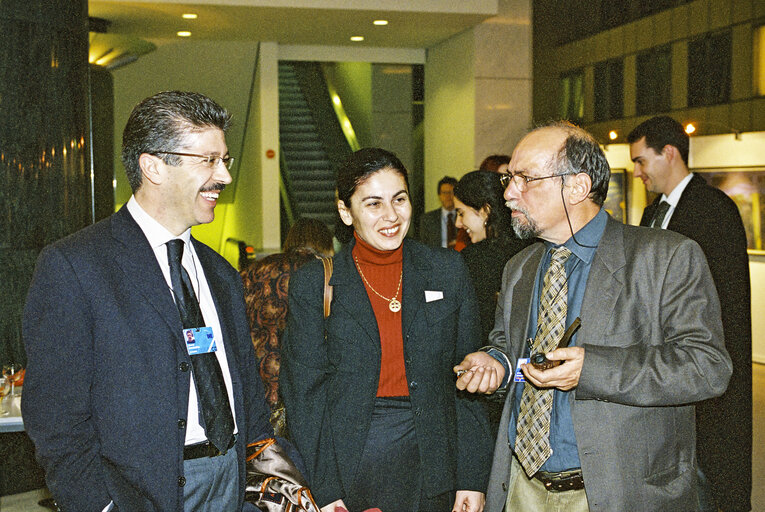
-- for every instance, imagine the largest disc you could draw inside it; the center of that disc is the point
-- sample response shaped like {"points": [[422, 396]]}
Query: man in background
{"points": [[437, 227], [688, 205]]}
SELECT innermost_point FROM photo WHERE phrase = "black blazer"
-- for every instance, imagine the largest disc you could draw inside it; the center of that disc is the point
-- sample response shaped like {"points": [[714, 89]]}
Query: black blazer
{"points": [[329, 383], [724, 425], [430, 228], [107, 384]]}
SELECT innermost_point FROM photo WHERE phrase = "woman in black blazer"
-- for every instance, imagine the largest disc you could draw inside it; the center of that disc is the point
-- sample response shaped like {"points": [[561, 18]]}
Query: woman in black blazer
{"points": [[369, 392]]}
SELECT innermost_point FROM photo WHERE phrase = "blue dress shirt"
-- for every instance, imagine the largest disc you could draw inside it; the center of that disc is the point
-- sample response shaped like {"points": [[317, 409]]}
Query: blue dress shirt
{"points": [[562, 438]]}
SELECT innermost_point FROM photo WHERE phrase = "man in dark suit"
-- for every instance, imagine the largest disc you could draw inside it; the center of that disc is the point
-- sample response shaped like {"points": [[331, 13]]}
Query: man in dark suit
{"points": [[437, 227], [611, 428], [659, 147], [122, 416]]}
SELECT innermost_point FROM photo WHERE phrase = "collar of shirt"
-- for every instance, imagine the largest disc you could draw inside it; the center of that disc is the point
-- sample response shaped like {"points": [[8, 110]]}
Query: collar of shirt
{"points": [[156, 233], [674, 197], [589, 235], [445, 213]]}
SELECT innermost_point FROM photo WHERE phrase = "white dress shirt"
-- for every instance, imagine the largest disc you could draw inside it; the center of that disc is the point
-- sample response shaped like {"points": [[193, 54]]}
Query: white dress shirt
{"points": [[158, 237], [673, 198]]}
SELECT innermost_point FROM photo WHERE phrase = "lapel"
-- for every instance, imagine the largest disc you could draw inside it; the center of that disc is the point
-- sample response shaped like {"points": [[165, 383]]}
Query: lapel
{"points": [[142, 273], [648, 213], [517, 324], [350, 295], [685, 208], [416, 270], [221, 295], [604, 283]]}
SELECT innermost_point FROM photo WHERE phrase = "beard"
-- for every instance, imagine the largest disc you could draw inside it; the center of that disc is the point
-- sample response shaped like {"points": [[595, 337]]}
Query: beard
{"points": [[524, 229]]}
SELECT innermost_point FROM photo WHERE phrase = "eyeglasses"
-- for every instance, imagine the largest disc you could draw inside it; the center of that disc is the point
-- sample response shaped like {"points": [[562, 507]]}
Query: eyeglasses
{"points": [[210, 160], [522, 181]]}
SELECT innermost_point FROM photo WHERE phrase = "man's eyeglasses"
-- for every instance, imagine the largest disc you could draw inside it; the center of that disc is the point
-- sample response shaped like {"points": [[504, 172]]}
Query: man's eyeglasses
{"points": [[210, 160], [521, 180]]}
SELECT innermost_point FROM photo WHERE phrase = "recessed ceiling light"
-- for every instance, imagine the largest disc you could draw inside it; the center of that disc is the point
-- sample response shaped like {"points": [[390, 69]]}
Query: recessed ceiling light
{"points": [[357, 38], [189, 16], [613, 135], [380, 22], [183, 33]]}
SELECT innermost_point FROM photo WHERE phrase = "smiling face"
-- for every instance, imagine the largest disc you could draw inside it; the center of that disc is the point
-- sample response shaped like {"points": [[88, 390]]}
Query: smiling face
{"points": [[187, 193], [651, 167], [380, 210], [474, 222]]}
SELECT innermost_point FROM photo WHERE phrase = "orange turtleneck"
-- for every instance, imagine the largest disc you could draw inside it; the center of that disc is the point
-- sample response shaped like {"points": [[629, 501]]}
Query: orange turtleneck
{"points": [[382, 270]]}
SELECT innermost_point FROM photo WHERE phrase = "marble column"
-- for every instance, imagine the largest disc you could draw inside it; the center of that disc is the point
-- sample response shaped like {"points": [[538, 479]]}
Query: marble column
{"points": [[44, 143]]}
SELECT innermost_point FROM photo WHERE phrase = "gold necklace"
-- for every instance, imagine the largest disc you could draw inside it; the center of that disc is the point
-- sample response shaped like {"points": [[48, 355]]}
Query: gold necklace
{"points": [[393, 303]]}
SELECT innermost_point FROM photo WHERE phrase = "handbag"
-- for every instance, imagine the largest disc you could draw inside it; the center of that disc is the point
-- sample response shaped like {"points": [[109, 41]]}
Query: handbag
{"points": [[272, 481]]}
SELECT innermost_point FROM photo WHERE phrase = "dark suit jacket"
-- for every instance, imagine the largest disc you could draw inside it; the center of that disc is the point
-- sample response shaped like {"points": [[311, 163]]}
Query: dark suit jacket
{"points": [[329, 384], [107, 384], [430, 228], [653, 344], [723, 425]]}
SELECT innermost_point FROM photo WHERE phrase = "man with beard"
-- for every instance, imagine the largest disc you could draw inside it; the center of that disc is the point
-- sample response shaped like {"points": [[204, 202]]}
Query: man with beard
{"points": [[603, 424], [142, 389]]}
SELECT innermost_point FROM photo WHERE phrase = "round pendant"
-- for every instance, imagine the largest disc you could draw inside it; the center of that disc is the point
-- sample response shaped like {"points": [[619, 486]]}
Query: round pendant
{"points": [[394, 305]]}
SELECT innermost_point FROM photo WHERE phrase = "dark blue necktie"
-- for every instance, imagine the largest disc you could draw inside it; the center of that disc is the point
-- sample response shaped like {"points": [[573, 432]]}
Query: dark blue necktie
{"points": [[208, 377], [658, 216]]}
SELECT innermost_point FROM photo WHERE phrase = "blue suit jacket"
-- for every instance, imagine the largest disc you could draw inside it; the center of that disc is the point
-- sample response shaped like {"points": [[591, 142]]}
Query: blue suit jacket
{"points": [[107, 384]]}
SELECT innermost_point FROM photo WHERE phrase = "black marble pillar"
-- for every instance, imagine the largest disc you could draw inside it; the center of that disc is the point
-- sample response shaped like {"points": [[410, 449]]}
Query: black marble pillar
{"points": [[44, 143]]}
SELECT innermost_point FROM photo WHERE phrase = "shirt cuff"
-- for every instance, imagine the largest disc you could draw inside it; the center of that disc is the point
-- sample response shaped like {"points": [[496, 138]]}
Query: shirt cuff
{"points": [[503, 360]]}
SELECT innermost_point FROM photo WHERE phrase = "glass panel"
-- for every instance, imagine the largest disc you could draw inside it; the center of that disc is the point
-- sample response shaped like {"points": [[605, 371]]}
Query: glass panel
{"points": [[653, 81], [709, 64], [759, 60]]}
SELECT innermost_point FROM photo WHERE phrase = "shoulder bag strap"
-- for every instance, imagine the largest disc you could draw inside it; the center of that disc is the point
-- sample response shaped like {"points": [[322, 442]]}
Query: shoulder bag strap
{"points": [[327, 262]]}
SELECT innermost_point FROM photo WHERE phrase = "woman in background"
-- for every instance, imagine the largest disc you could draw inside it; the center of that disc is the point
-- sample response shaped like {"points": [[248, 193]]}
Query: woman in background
{"points": [[481, 211], [370, 391], [265, 294]]}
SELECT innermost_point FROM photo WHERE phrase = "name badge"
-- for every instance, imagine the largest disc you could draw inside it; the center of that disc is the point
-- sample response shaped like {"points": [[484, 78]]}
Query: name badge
{"points": [[199, 340], [518, 372]]}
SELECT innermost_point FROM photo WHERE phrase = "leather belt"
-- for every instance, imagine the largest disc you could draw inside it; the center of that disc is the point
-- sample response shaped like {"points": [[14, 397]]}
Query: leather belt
{"points": [[562, 481], [206, 449]]}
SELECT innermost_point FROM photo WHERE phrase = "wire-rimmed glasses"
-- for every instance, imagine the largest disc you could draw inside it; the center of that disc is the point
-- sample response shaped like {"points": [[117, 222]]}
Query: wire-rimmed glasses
{"points": [[522, 181], [210, 160]]}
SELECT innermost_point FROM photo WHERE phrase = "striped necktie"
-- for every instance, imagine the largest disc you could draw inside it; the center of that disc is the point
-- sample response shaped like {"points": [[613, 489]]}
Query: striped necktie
{"points": [[532, 443]]}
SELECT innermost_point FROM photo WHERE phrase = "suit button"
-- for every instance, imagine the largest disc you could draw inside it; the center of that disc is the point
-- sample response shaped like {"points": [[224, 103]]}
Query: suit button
{"points": [[413, 385], [181, 481], [184, 366], [417, 411], [181, 424], [504, 486], [408, 360]]}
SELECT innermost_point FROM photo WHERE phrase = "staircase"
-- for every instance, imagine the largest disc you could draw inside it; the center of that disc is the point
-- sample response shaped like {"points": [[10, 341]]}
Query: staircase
{"points": [[310, 173]]}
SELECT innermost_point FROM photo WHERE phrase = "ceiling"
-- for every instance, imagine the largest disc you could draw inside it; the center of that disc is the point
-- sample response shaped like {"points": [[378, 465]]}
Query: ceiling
{"points": [[411, 23]]}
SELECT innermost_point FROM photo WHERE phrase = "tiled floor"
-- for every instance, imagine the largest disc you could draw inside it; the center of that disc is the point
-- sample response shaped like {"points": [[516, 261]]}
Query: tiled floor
{"points": [[27, 502]]}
